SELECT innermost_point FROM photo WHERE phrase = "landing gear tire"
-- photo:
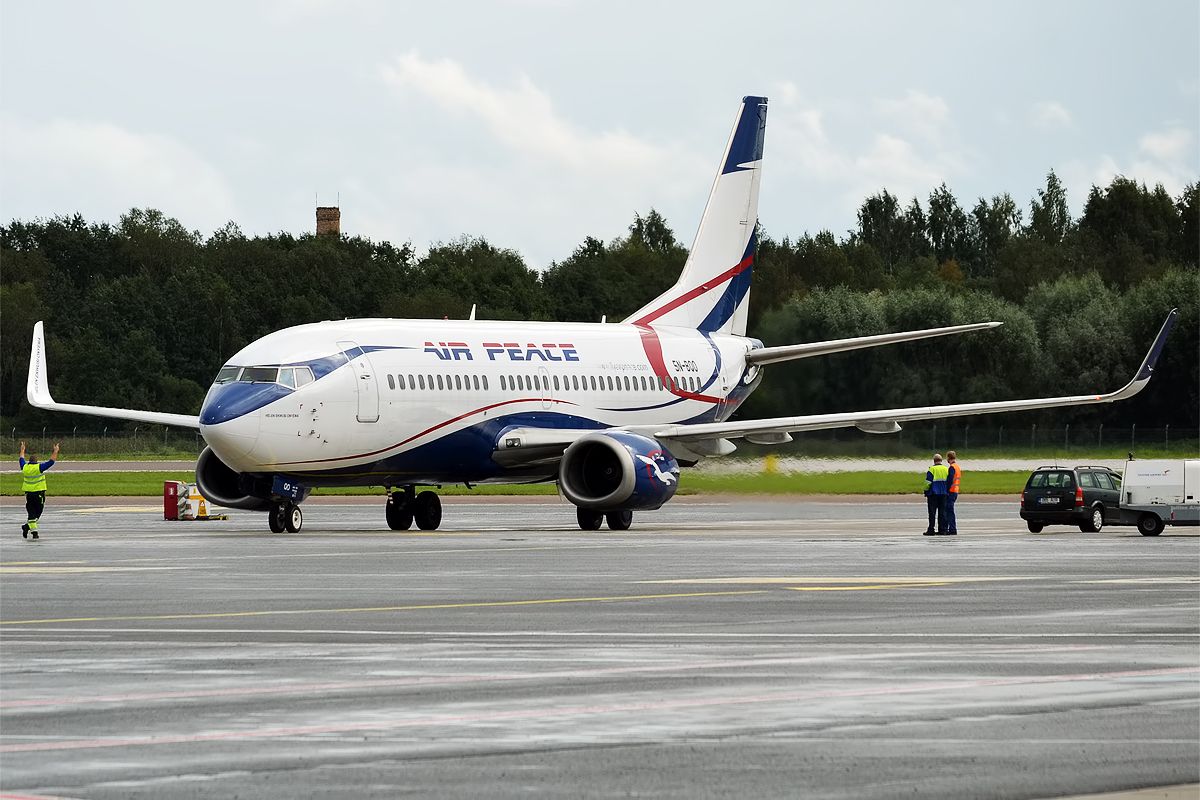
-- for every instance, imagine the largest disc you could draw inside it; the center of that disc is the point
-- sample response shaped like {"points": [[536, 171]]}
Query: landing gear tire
{"points": [[276, 518], [589, 520], [1095, 522], [1149, 525], [1034, 527], [399, 515], [619, 520], [293, 518], [427, 511]]}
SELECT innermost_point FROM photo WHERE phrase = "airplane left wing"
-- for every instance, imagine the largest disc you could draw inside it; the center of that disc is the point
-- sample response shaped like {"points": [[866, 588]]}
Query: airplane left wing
{"points": [[776, 430], [789, 352], [37, 391]]}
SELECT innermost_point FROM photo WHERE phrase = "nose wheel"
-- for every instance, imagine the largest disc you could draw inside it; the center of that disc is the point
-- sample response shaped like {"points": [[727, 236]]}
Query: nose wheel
{"points": [[285, 517]]}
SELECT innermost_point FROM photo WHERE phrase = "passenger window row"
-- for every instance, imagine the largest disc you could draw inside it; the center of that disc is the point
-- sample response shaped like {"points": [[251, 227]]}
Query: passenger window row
{"points": [[447, 383], [533, 383]]}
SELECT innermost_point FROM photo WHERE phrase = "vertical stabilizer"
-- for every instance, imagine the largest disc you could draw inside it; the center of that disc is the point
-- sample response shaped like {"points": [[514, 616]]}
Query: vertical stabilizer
{"points": [[713, 292]]}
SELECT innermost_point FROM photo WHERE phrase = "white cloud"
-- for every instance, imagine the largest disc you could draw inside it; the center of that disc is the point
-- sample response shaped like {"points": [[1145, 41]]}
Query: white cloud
{"points": [[1048, 115], [1167, 157], [103, 170], [916, 113], [1171, 145], [576, 182], [522, 118], [844, 170]]}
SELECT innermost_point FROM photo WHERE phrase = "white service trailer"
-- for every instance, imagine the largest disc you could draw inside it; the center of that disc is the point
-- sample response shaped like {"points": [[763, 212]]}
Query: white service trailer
{"points": [[1160, 492]]}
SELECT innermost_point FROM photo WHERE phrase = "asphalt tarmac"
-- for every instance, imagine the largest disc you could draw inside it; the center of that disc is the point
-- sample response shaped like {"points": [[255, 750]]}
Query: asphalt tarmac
{"points": [[746, 648]]}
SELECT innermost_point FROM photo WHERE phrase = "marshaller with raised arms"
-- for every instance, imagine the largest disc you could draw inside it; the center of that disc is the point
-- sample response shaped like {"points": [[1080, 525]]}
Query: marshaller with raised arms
{"points": [[609, 411]]}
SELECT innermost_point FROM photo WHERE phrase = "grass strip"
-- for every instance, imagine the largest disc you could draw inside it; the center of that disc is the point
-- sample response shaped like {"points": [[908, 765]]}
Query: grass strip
{"points": [[150, 484]]}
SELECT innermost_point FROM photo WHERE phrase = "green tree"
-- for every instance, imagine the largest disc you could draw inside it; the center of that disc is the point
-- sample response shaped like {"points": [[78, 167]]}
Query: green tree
{"points": [[1049, 217], [993, 224], [949, 231]]}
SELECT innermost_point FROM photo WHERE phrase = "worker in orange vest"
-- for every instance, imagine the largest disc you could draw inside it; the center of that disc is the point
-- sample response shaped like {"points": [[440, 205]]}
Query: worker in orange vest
{"points": [[952, 497]]}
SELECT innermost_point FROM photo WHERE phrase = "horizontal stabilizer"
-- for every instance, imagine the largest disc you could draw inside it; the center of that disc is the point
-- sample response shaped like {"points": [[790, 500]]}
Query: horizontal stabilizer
{"points": [[37, 391], [789, 352]]}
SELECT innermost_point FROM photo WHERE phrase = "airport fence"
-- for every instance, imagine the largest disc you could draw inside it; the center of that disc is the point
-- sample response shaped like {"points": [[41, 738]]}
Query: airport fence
{"points": [[1031, 441], [917, 439], [153, 441]]}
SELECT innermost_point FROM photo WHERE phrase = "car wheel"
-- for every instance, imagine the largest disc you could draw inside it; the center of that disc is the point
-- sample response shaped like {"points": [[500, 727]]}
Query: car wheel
{"points": [[1034, 527], [1149, 525], [1095, 521]]}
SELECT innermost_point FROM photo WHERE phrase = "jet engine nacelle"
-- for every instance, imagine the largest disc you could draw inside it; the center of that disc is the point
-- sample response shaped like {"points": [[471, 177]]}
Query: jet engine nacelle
{"points": [[221, 485], [613, 470]]}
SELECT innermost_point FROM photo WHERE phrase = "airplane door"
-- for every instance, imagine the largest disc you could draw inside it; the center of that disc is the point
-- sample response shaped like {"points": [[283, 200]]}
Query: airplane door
{"points": [[364, 375], [543, 378]]}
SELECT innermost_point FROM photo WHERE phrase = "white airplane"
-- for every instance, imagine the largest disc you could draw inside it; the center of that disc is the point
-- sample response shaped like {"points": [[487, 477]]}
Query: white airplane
{"points": [[609, 411]]}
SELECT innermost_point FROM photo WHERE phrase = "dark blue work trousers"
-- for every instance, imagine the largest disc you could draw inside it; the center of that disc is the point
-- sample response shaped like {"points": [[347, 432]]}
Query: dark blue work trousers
{"points": [[937, 508]]}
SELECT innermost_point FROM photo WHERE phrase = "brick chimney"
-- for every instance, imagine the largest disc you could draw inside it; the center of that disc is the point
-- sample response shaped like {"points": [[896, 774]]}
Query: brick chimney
{"points": [[329, 221]]}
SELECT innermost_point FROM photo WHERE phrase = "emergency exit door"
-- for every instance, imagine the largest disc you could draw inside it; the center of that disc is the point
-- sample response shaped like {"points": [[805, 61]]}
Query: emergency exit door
{"points": [[364, 378]]}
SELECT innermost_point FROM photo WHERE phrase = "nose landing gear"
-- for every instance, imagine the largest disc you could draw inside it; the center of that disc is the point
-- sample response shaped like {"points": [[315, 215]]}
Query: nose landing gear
{"points": [[285, 516]]}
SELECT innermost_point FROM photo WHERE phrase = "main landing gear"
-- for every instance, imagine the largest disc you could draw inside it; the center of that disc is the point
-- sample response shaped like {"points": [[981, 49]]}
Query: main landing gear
{"points": [[285, 516], [406, 507], [590, 520]]}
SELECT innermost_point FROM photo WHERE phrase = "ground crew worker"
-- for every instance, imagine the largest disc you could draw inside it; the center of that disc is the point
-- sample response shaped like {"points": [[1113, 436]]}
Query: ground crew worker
{"points": [[936, 481], [952, 496], [33, 483]]}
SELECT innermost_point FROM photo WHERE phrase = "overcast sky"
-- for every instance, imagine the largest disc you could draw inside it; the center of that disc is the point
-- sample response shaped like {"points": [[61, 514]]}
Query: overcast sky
{"points": [[536, 123]]}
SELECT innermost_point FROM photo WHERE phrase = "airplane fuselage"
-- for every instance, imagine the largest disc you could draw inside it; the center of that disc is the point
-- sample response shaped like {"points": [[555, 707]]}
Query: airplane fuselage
{"points": [[394, 402]]}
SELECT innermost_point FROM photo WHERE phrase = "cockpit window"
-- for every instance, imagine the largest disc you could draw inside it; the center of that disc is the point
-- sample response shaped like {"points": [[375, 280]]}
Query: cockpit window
{"points": [[292, 377], [260, 375]]}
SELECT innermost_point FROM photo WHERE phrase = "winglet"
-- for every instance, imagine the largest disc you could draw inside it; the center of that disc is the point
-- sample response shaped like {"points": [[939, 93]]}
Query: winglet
{"points": [[37, 388], [1147, 368], [37, 392]]}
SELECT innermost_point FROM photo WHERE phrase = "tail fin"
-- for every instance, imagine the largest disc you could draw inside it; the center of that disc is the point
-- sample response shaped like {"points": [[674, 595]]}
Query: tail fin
{"points": [[713, 292]]}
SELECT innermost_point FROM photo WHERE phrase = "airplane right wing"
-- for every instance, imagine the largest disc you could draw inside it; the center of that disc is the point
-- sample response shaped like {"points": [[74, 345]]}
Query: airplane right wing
{"points": [[776, 430], [37, 391]]}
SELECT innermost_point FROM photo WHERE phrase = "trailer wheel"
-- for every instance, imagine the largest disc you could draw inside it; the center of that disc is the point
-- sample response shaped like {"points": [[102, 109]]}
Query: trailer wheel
{"points": [[1150, 525]]}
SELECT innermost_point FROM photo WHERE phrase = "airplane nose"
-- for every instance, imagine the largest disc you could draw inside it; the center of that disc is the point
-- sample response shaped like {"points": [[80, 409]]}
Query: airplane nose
{"points": [[233, 439], [230, 419]]}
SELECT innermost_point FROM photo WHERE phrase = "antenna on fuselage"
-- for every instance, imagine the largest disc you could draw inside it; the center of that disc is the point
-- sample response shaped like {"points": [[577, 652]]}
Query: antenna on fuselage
{"points": [[603, 318], [472, 317]]}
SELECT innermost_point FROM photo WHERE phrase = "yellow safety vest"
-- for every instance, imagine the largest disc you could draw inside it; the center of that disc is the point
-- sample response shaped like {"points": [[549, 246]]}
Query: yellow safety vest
{"points": [[32, 478], [940, 473]]}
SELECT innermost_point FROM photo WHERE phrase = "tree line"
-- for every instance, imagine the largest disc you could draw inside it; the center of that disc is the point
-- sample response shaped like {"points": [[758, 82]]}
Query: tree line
{"points": [[143, 312]]}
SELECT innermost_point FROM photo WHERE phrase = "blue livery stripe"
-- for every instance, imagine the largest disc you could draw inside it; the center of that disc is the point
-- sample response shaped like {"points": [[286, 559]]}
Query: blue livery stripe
{"points": [[735, 292], [747, 144]]}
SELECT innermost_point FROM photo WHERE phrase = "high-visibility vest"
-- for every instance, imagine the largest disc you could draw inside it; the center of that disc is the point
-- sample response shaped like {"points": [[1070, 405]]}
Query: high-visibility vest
{"points": [[32, 478], [940, 473], [957, 475]]}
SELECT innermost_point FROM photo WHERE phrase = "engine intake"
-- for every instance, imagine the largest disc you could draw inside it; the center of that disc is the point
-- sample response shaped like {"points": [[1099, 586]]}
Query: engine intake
{"points": [[613, 470], [221, 485]]}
